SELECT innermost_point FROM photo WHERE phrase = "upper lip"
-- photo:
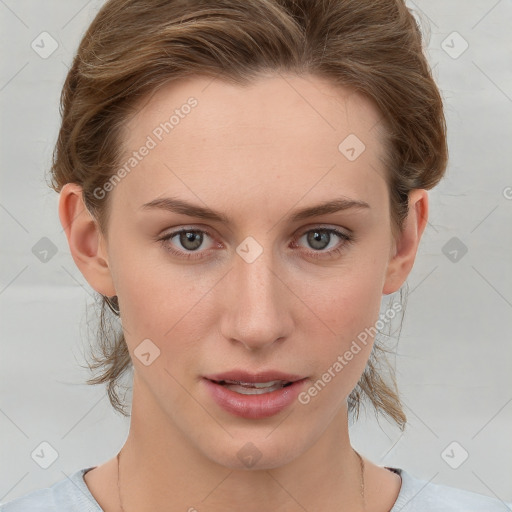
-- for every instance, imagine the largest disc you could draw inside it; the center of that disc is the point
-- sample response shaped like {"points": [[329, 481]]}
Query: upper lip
{"points": [[263, 376]]}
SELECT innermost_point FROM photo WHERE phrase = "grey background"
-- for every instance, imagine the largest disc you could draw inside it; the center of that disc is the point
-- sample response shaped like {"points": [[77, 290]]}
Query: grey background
{"points": [[454, 355]]}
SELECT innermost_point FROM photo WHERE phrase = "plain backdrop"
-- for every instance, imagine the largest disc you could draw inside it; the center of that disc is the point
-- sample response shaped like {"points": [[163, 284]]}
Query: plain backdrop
{"points": [[453, 361]]}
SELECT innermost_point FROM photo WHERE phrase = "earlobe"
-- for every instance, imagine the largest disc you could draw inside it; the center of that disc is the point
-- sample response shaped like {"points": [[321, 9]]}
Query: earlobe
{"points": [[85, 240], [401, 262]]}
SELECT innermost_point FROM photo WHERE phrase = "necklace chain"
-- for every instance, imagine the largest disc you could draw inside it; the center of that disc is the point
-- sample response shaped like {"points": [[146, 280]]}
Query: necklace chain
{"points": [[361, 462], [118, 485]]}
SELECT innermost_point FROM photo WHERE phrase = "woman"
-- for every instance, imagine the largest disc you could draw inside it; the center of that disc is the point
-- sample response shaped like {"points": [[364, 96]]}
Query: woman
{"points": [[242, 182]]}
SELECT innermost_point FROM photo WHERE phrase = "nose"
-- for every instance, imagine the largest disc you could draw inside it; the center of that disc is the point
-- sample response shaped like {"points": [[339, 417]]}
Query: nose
{"points": [[257, 304]]}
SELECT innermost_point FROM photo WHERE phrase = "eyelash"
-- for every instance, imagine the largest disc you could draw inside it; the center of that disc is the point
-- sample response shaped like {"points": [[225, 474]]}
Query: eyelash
{"points": [[320, 254]]}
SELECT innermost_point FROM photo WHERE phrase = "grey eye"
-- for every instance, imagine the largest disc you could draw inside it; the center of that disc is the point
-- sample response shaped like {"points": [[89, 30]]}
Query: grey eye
{"points": [[190, 240], [319, 239]]}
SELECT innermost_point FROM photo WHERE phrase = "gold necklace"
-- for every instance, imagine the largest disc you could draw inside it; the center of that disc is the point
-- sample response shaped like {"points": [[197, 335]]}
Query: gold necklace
{"points": [[361, 463]]}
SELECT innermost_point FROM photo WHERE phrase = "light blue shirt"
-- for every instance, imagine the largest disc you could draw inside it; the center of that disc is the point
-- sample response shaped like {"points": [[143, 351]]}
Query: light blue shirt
{"points": [[416, 495]]}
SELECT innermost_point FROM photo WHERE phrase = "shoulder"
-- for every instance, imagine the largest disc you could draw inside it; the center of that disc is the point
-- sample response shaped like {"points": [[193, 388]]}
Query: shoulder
{"points": [[418, 495], [68, 495]]}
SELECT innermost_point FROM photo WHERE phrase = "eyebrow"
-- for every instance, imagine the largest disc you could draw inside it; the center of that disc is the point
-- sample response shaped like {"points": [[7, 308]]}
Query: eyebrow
{"points": [[179, 206]]}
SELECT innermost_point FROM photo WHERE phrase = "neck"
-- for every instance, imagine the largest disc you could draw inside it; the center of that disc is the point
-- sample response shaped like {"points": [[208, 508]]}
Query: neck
{"points": [[160, 469]]}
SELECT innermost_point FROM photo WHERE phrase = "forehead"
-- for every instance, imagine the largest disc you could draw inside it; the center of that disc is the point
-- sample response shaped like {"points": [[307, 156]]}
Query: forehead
{"points": [[282, 136]]}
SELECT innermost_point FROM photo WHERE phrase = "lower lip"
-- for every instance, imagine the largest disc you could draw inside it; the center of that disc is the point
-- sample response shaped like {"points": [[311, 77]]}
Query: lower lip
{"points": [[254, 406]]}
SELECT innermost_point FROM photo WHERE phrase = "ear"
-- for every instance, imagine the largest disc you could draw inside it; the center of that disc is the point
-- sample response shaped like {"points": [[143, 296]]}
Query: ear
{"points": [[86, 242], [406, 246]]}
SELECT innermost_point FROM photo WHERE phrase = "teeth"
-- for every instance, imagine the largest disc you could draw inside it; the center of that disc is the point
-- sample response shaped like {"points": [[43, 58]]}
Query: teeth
{"points": [[253, 388], [256, 388], [255, 384]]}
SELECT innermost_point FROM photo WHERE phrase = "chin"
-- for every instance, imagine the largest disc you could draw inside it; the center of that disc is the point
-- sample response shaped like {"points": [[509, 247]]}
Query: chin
{"points": [[260, 451]]}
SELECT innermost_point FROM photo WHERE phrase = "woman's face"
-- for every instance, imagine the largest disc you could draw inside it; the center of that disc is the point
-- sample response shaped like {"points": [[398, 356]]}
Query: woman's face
{"points": [[260, 287]]}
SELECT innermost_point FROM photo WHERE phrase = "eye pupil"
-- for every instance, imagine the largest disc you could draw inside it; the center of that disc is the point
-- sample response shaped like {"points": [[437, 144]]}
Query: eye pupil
{"points": [[318, 239]]}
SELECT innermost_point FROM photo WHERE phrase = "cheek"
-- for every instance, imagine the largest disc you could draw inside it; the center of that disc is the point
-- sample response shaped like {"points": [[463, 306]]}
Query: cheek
{"points": [[163, 303], [348, 306], [349, 300]]}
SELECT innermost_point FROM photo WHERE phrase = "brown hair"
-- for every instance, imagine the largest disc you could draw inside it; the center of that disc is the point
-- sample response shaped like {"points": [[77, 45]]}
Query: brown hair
{"points": [[134, 47]]}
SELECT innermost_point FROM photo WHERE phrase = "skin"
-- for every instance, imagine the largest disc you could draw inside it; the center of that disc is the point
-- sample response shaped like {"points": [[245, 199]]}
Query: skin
{"points": [[256, 154]]}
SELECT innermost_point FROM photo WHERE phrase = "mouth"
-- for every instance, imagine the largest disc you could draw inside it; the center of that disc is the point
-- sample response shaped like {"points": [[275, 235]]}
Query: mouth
{"points": [[254, 395]]}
